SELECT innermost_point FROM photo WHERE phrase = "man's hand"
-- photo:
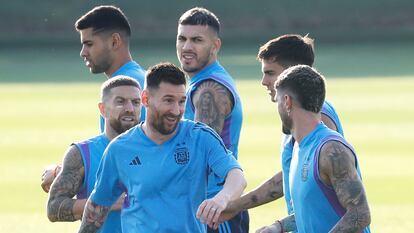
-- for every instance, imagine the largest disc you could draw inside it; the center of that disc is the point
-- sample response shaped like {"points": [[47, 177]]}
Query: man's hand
{"points": [[209, 210], [49, 176], [274, 228], [230, 211], [119, 203]]}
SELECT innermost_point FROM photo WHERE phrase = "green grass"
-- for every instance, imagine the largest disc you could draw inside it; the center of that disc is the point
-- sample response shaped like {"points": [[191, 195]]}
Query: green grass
{"points": [[39, 121]]}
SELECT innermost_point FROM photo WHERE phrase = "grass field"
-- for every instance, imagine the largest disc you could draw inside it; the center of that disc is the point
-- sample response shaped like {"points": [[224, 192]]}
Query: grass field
{"points": [[40, 118]]}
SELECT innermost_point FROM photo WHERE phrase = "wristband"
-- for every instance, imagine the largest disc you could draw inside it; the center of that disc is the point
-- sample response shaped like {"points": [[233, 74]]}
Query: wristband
{"points": [[281, 226]]}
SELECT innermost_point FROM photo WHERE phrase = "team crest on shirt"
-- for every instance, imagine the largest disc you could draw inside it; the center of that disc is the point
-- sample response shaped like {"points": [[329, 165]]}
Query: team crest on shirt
{"points": [[181, 154]]}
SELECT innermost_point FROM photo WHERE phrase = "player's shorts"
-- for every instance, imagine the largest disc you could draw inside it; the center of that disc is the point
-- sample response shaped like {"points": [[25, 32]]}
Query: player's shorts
{"points": [[238, 224]]}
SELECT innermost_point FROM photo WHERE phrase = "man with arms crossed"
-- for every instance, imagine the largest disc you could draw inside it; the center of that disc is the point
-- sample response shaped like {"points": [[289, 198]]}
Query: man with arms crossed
{"points": [[120, 105], [277, 55], [324, 180], [212, 97], [104, 34], [162, 164]]}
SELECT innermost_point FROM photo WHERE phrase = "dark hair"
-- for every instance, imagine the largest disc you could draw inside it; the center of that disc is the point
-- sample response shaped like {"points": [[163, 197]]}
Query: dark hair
{"points": [[164, 72], [288, 50], [200, 16], [119, 80], [305, 84], [104, 19]]}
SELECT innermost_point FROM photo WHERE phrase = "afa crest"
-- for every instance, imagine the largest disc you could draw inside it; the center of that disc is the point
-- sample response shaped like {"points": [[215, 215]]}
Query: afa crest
{"points": [[181, 154]]}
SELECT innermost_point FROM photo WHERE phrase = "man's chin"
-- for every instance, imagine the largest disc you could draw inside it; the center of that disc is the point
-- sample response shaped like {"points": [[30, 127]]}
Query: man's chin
{"points": [[94, 71], [128, 126], [189, 69], [169, 130], [286, 130]]}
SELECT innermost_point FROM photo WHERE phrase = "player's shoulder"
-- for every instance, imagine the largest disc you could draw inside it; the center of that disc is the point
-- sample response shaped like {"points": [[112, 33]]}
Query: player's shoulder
{"points": [[133, 70], [98, 141], [203, 130], [336, 154], [334, 144]]}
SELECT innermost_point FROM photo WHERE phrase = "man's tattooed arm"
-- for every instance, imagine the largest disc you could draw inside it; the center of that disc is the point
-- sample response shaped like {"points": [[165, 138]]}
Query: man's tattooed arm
{"points": [[94, 217], [61, 206], [212, 102], [270, 190], [337, 168]]}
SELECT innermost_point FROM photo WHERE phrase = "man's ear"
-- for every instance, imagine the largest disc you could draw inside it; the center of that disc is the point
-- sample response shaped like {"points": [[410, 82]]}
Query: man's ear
{"points": [[116, 40], [288, 102], [101, 107], [217, 45], [144, 97]]}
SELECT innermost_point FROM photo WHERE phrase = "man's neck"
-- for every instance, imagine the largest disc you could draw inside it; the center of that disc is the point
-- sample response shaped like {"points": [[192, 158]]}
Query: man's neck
{"points": [[109, 132], [118, 63], [304, 122], [156, 136], [191, 75]]}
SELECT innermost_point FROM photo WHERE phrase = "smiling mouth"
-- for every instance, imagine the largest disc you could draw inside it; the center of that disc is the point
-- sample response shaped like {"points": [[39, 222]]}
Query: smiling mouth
{"points": [[171, 119], [128, 119]]}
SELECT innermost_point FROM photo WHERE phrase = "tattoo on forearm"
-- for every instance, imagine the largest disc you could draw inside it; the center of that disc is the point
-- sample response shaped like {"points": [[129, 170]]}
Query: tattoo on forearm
{"points": [[212, 103], [65, 187], [349, 190], [64, 212], [94, 217], [269, 191], [277, 188], [254, 199]]}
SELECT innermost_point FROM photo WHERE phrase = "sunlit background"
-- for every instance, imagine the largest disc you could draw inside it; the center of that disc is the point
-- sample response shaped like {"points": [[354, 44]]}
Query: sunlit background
{"points": [[48, 98]]}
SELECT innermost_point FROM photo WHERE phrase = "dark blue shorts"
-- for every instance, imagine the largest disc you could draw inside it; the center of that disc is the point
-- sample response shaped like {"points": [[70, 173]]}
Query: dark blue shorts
{"points": [[238, 224]]}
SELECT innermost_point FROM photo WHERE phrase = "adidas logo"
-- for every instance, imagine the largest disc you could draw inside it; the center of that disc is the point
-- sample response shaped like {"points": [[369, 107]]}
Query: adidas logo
{"points": [[135, 161]]}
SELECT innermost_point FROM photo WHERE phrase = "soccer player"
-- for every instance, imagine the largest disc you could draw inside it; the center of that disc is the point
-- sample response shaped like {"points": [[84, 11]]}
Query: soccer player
{"points": [[120, 105], [275, 56], [104, 34], [212, 97], [162, 164], [324, 180]]}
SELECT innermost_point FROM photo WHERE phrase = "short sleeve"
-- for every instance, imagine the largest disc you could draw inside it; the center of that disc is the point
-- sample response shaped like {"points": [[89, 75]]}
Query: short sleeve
{"points": [[219, 159], [107, 187]]}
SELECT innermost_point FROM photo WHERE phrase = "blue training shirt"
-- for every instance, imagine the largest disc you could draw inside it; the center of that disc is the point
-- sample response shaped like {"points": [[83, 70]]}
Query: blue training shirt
{"points": [[165, 183], [329, 111], [232, 123], [135, 71], [316, 206], [91, 151]]}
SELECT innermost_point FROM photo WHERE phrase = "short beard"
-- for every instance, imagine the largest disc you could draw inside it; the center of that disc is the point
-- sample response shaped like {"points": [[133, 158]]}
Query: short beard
{"points": [[201, 66], [97, 69], [118, 127], [103, 64], [285, 130], [159, 126]]}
